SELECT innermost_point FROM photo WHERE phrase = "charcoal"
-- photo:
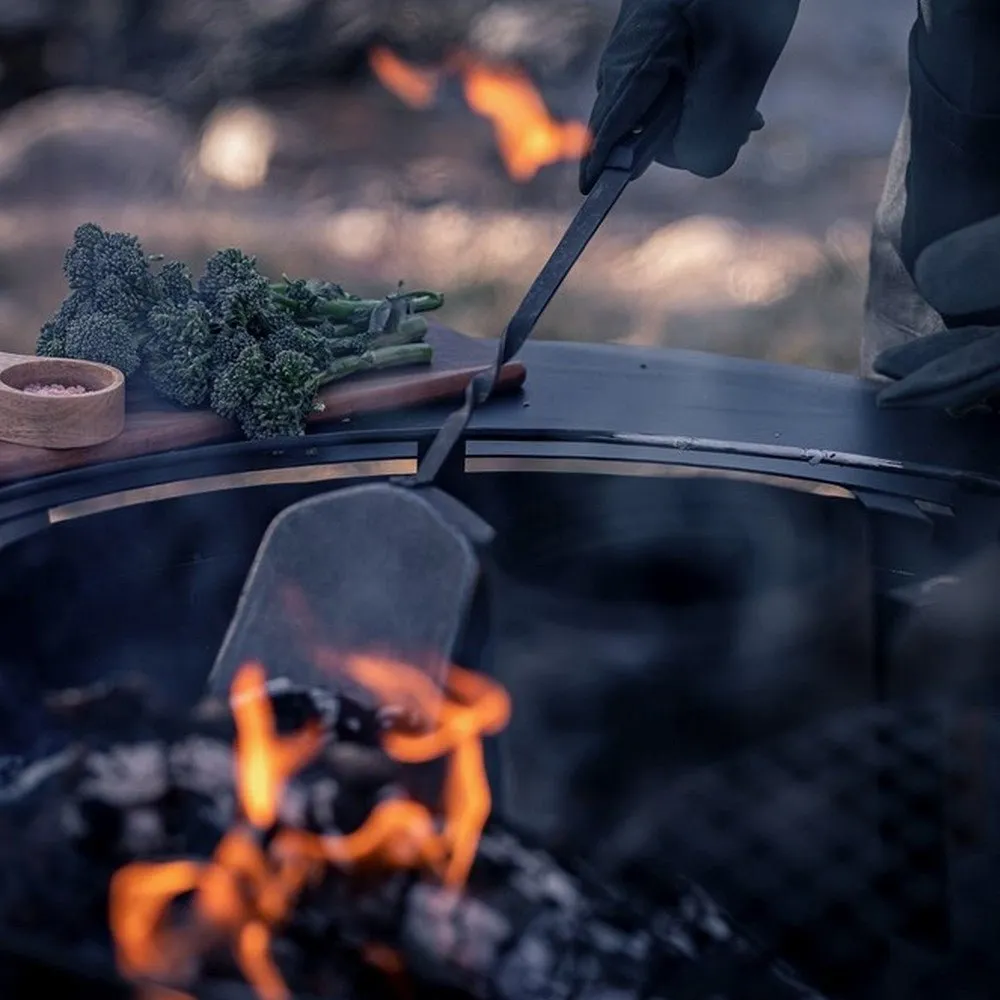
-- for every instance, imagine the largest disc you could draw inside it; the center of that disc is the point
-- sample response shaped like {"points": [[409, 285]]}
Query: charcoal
{"points": [[529, 927], [526, 925]]}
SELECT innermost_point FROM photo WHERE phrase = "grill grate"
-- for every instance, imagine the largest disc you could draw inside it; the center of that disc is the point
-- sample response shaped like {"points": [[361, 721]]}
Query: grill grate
{"points": [[859, 848]]}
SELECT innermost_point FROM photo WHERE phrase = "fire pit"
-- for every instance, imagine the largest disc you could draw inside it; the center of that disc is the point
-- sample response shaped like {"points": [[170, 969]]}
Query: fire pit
{"points": [[674, 612]]}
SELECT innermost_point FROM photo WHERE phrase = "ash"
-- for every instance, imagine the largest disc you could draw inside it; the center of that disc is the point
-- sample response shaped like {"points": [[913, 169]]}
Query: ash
{"points": [[131, 782]]}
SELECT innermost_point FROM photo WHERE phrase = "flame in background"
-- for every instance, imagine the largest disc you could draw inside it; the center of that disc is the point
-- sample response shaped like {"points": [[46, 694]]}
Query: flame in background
{"points": [[413, 85], [251, 883], [527, 136]]}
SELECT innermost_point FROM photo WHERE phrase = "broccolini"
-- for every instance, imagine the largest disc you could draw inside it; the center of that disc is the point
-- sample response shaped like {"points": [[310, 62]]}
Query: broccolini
{"points": [[178, 355], [254, 351], [232, 289], [112, 291]]}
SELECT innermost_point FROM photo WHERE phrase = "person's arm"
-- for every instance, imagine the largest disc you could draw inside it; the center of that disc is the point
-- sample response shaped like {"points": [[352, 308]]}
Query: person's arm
{"points": [[719, 52]]}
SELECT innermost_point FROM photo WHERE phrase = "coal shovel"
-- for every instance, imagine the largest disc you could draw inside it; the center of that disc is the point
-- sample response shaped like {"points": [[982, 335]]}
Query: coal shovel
{"points": [[397, 568]]}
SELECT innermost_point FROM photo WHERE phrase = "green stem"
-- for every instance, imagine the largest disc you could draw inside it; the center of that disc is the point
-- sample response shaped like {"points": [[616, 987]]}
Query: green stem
{"points": [[337, 309], [423, 300], [411, 330], [398, 356], [349, 309]]}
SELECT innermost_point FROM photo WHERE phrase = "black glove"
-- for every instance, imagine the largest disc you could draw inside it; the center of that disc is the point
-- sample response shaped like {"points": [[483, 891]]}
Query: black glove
{"points": [[720, 52], [957, 369]]}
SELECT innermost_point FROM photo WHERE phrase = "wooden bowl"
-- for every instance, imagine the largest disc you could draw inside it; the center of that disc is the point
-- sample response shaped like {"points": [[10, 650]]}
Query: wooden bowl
{"points": [[69, 421]]}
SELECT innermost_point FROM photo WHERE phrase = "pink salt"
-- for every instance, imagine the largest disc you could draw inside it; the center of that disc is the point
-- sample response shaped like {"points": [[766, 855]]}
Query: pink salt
{"points": [[54, 389]]}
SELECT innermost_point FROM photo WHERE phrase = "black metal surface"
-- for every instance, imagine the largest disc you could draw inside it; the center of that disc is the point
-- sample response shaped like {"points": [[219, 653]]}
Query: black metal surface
{"points": [[681, 400]]}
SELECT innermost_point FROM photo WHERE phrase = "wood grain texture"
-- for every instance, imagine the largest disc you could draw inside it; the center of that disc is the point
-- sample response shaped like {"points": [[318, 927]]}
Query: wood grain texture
{"points": [[153, 426]]}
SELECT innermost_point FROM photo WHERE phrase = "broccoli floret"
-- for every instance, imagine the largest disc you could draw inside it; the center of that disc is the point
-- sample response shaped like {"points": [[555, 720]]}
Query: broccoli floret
{"points": [[239, 382], [178, 355], [112, 290], [233, 290], [267, 398], [52, 339], [104, 337], [287, 398], [296, 296], [228, 345], [111, 270], [286, 335], [176, 285]]}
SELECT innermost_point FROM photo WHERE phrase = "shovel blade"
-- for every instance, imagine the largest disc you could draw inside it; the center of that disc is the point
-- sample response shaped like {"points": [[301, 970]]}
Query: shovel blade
{"points": [[376, 568]]}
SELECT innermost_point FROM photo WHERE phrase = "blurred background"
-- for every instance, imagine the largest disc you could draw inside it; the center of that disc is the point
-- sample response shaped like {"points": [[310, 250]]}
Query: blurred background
{"points": [[435, 142]]}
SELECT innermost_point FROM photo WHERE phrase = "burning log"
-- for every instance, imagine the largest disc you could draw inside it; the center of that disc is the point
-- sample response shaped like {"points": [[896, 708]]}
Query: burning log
{"points": [[324, 844]]}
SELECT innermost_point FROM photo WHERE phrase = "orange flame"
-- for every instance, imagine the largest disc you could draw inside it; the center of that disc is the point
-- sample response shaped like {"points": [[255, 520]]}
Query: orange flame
{"points": [[527, 136], [140, 896], [265, 761], [246, 889], [474, 706], [411, 84], [241, 892]]}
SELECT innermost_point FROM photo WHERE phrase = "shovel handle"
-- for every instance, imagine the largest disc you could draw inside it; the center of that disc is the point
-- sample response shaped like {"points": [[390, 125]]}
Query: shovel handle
{"points": [[636, 152]]}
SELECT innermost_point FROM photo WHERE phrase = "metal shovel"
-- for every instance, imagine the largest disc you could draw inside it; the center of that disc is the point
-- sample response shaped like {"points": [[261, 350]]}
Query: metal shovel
{"points": [[394, 567]]}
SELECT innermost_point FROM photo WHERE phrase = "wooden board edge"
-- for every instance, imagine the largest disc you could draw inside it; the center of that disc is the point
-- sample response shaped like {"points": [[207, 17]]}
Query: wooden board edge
{"points": [[209, 430], [448, 385]]}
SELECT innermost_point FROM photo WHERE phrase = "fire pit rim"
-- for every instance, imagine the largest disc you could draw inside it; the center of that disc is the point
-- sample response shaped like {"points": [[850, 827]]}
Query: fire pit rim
{"points": [[35, 495], [628, 414]]}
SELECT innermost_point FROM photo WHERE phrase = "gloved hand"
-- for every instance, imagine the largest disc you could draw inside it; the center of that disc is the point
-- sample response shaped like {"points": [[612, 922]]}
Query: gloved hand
{"points": [[720, 52], [957, 369]]}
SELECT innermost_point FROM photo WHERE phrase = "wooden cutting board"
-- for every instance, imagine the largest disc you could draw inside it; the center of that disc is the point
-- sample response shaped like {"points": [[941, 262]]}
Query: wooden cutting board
{"points": [[153, 426]]}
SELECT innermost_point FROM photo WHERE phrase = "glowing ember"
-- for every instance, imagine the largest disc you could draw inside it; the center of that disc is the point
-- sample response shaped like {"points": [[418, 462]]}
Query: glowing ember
{"points": [[165, 917], [527, 136]]}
